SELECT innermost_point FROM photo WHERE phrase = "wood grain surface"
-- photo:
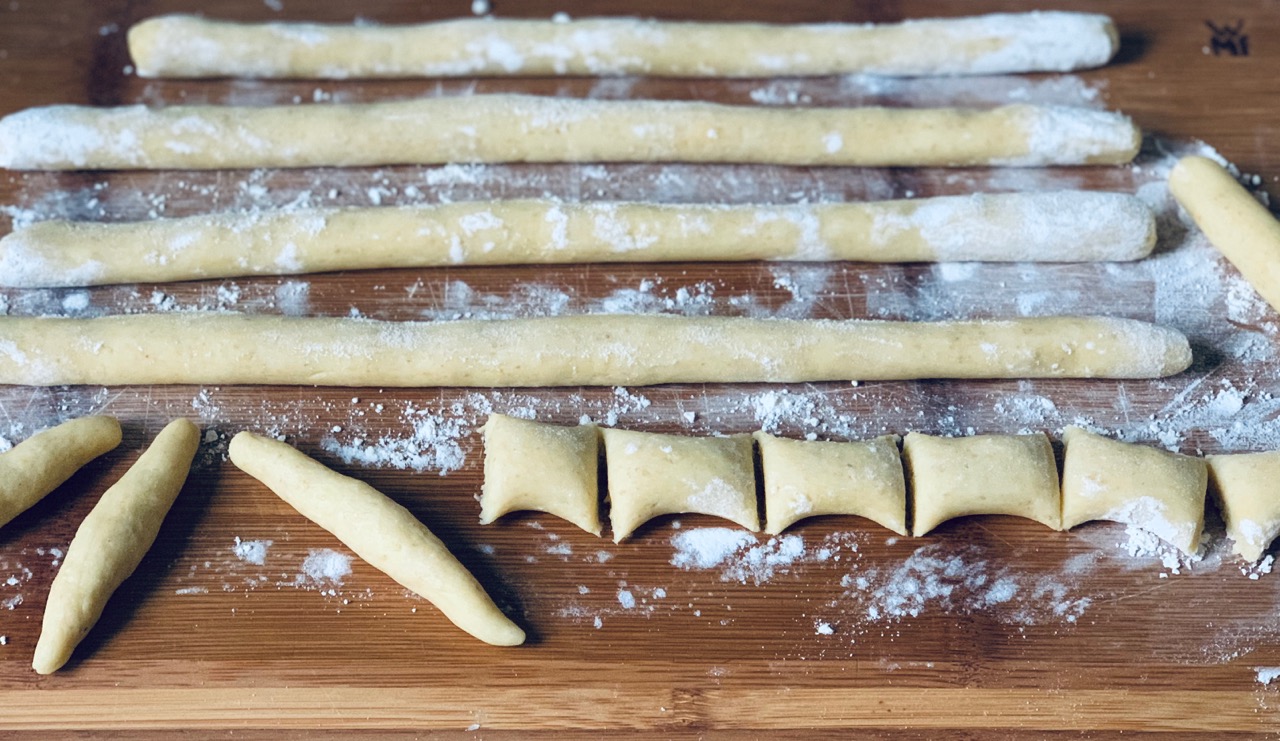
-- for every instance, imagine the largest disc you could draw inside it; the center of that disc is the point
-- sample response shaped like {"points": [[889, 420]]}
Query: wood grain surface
{"points": [[203, 643]]}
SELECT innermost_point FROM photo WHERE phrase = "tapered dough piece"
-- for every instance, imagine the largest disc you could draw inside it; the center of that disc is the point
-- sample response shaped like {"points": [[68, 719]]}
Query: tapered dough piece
{"points": [[39, 464], [809, 478], [1244, 486], [1066, 226], [982, 475], [378, 530], [1233, 220], [188, 46], [1152, 489], [651, 474], [590, 350], [543, 467], [112, 541], [518, 128]]}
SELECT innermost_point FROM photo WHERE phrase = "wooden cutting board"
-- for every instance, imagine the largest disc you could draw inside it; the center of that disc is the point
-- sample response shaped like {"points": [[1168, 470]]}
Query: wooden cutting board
{"points": [[990, 626]]}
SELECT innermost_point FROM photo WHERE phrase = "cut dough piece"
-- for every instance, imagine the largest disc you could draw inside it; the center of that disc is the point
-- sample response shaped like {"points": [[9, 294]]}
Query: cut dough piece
{"points": [[590, 350], [651, 474], [982, 475], [112, 541], [518, 128], [1067, 226], [39, 464], [548, 468], [1156, 490], [805, 479], [1245, 486], [378, 530], [1233, 220], [188, 46]]}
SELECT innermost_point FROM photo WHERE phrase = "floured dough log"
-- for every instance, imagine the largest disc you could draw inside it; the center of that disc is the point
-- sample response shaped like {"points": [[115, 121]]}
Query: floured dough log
{"points": [[39, 464], [1245, 487], [1065, 226], [1155, 490], [542, 467], [1233, 220], [651, 475], [519, 128], [982, 475], [591, 350], [188, 46], [378, 530], [111, 542], [805, 479]]}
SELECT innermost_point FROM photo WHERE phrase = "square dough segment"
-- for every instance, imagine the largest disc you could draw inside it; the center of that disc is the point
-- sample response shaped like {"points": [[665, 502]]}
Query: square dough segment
{"points": [[652, 474], [982, 475], [804, 479], [536, 466], [1153, 489], [1245, 487]]}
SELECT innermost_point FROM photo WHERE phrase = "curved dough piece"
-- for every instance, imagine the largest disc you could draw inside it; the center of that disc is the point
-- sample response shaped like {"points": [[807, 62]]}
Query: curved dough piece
{"points": [[590, 350], [378, 530], [548, 468], [1067, 226], [112, 541], [187, 46], [1155, 490], [1234, 221], [982, 475], [39, 464], [517, 128], [651, 474], [1244, 486], [805, 479]]}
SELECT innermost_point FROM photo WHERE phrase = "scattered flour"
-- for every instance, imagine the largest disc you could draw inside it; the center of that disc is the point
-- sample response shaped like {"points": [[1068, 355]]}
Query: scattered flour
{"points": [[252, 551], [324, 568]]}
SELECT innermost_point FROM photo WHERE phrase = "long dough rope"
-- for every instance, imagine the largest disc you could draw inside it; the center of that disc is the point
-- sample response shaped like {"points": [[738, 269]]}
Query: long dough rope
{"points": [[186, 46], [518, 128], [1059, 227], [112, 541], [1233, 220], [592, 350], [379, 530], [39, 464]]}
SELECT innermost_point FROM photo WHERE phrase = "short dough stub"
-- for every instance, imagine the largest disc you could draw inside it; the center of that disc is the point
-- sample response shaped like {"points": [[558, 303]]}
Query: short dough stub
{"points": [[982, 475], [809, 478], [111, 542], [651, 474], [1152, 489], [1234, 221], [536, 466], [1244, 486], [379, 530], [42, 462]]}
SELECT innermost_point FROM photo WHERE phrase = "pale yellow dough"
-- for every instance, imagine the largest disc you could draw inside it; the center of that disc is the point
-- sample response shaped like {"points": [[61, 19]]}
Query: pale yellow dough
{"points": [[543, 467], [651, 474], [592, 350], [1234, 221], [111, 542], [39, 464], [1152, 489], [1001, 43], [1065, 226], [1247, 489], [982, 475], [805, 479], [378, 530], [517, 128]]}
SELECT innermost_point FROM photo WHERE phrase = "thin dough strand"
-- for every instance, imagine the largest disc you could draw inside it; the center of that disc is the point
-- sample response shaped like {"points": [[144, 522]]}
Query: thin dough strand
{"points": [[1066, 226], [1001, 43], [591, 350], [520, 128], [42, 462]]}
